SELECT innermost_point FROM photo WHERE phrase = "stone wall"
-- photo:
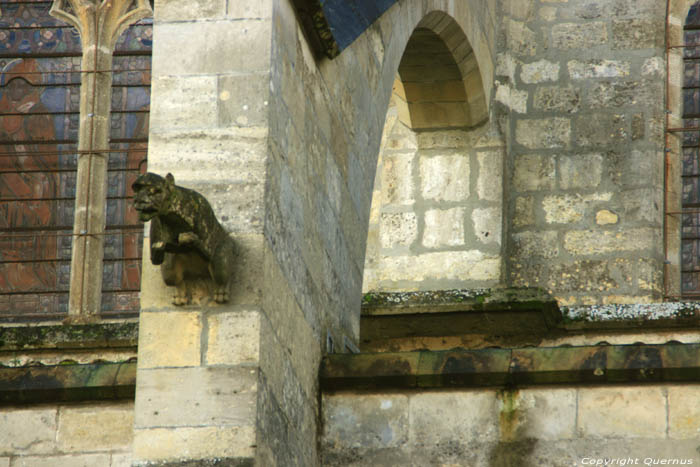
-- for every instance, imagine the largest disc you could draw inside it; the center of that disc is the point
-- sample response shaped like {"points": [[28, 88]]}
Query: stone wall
{"points": [[531, 426], [67, 435], [582, 83]]}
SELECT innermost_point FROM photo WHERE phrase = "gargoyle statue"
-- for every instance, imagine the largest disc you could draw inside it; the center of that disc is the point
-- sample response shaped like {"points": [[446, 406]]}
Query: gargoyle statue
{"points": [[186, 239]]}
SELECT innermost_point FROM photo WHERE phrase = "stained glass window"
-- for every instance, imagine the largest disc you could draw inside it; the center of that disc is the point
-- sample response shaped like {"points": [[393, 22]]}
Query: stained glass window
{"points": [[40, 59]]}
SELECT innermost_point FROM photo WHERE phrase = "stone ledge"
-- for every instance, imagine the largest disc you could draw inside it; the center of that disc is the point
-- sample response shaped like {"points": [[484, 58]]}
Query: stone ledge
{"points": [[601, 364], [218, 462], [85, 336], [70, 382]]}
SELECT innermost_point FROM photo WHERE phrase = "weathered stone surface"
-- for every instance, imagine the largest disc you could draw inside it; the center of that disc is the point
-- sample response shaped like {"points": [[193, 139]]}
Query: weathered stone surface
{"points": [[590, 242], [683, 413], [598, 69], [580, 171], [397, 229], [204, 442], [194, 107], [454, 265], [535, 244], [524, 211], [97, 428], [544, 414], [489, 185], [643, 205], [568, 209], [512, 98], [445, 178], [622, 412], [546, 133], [533, 172], [28, 431], [183, 10], [601, 130], [487, 225], [557, 99], [521, 39], [539, 72], [169, 338], [76, 460], [579, 35], [233, 338], [243, 100], [397, 180], [606, 217], [443, 228], [636, 33]]}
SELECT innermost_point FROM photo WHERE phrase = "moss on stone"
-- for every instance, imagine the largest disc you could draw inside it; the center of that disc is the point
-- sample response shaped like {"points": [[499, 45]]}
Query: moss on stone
{"points": [[68, 336]]}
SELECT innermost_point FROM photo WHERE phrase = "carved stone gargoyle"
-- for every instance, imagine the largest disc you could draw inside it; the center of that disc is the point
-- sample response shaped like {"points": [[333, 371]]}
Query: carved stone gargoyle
{"points": [[186, 239]]}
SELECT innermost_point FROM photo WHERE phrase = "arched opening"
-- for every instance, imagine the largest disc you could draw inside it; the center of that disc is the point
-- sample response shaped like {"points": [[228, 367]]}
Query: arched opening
{"points": [[436, 216]]}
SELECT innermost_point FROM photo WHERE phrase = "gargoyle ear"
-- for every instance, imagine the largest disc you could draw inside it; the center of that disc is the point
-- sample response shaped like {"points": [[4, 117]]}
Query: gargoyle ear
{"points": [[170, 179]]}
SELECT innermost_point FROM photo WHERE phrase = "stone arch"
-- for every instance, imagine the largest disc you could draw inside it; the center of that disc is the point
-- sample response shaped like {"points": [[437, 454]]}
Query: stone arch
{"points": [[436, 216]]}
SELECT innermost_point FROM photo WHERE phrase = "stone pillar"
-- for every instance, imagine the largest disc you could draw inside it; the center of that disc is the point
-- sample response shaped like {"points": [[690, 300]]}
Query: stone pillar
{"points": [[100, 24], [198, 365]]}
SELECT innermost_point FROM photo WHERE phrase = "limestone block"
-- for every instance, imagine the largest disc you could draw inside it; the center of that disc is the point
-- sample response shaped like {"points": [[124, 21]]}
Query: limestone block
{"points": [[445, 178], [206, 46], [95, 428], [521, 9], [398, 229], [606, 217], [487, 225], [620, 94], [557, 99], [243, 99], [233, 338], [451, 265], [365, 421], [533, 172], [443, 228], [27, 431], [121, 460], [77, 460], [598, 69], [169, 338], [545, 133], [489, 185], [548, 13], [569, 209], [535, 244], [622, 412], [506, 65], [521, 39], [462, 417], [568, 36], [580, 171], [539, 72], [258, 10], [601, 130], [524, 211], [4, 462], [443, 139], [591, 242], [637, 33], [401, 138], [512, 98], [184, 102], [683, 412], [544, 414], [654, 66], [397, 181], [204, 442], [188, 10], [643, 205], [177, 397]]}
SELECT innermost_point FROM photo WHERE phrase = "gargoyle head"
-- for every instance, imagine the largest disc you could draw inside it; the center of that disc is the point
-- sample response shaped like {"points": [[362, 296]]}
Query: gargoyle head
{"points": [[152, 194]]}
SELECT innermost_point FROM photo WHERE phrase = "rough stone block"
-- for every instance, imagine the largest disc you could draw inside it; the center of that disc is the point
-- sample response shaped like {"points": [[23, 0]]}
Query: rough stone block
{"points": [[233, 338], [568, 36], [398, 229], [557, 99], [606, 217], [580, 171], [601, 130], [184, 102], [445, 178], [521, 39], [591, 242], [544, 414], [205, 442], [27, 431], [569, 209], [77, 460], [187, 10], [210, 44], [452, 265], [169, 338], [489, 185], [512, 98], [539, 72], [97, 428], [243, 100], [535, 244], [637, 33], [546, 133], [397, 180], [598, 69], [643, 205], [524, 211], [622, 412], [533, 172], [487, 225], [365, 421], [683, 412], [443, 228], [177, 397]]}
